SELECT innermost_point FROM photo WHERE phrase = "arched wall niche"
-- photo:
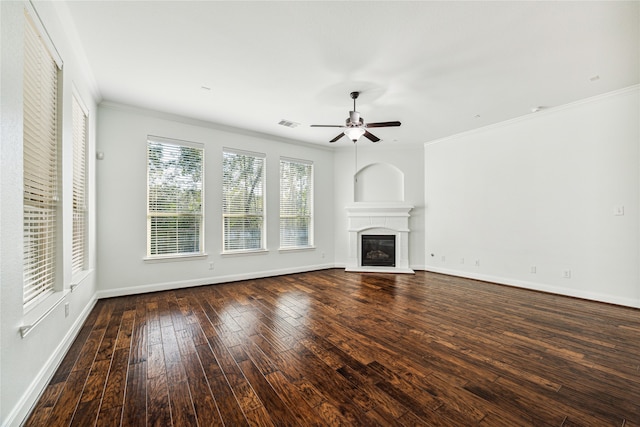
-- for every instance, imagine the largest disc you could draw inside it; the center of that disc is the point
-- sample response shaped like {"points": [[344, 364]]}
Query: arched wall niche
{"points": [[379, 182]]}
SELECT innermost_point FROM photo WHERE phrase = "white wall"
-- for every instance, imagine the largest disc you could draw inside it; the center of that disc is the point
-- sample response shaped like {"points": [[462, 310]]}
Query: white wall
{"points": [[541, 192], [122, 137], [26, 364], [406, 158]]}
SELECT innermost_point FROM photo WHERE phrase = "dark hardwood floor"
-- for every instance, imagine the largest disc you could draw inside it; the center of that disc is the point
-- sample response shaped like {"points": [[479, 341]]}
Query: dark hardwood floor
{"points": [[337, 348]]}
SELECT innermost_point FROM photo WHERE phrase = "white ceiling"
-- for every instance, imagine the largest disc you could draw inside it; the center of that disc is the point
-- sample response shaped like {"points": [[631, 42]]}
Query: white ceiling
{"points": [[435, 66]]}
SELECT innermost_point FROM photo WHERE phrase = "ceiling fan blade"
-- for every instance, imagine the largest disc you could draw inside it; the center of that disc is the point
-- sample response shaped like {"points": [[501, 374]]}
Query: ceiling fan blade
{"points": [[327, 126], [371, 136], [382, 124], [337, 137]]}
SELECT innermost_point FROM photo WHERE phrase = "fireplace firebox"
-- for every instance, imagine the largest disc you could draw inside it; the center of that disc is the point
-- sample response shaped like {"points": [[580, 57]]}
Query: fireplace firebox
{"points": [[378, 250]]}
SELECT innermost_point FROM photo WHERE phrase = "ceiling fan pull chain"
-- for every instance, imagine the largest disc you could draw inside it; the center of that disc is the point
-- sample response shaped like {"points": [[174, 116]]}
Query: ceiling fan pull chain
{"points": [[355, 174]]}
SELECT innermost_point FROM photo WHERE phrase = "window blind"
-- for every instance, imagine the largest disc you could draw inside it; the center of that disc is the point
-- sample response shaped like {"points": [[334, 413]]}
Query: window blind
{"points": [[79, 238], [174, 196], [40, 167], [296, 204], [243, 200]]}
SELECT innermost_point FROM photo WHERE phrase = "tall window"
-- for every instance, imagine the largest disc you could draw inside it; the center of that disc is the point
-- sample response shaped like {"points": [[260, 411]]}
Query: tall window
{"points": [[243, 201], [79, 240], [40, 168], [174, 198], [296, 204]]}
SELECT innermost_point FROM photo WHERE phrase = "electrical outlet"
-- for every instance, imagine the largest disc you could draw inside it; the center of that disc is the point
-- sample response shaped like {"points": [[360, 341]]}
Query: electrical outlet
{"points": [[66, 309], [618, 210], [477, 263], [443, 258], [461, 260], [211, 265], [534, 270], [566, 274]]}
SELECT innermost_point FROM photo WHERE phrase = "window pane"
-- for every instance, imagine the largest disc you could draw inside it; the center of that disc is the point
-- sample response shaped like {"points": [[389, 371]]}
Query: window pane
{"points": [[40, 167], [243, 201], [175, 207], [175, 234], [294, 232], [79, 238], [296, 198], [242, 232]]}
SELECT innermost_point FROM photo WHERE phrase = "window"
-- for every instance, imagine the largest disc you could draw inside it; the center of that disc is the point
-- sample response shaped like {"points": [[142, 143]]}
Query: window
{"points": [[79, 199], [40, 167], [243, 201], [296, 204], [174, 198]]}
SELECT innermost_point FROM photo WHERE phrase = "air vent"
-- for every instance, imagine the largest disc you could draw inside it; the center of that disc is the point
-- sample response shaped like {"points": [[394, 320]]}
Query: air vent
{"points": [[288, 123]]}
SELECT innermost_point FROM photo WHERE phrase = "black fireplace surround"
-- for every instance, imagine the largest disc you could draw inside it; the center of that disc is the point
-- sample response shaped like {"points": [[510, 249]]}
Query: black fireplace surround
{"points": [[378, 250]]}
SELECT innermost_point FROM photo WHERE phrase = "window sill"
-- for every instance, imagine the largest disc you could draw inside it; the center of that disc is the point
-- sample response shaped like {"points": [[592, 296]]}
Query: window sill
{"points": [[245, 252], [298, 249], [173, 258]]}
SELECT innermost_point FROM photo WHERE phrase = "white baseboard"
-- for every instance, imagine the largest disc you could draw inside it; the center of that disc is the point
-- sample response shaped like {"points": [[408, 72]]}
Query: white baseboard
{"points": [[30, 397], [577, 293], [155, 287]]}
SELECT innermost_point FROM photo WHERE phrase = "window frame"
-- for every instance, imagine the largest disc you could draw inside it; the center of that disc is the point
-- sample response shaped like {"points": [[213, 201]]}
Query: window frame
{"points": [[263, 213], [43, 282], [310, 201], [152, 139], [80, 190]]}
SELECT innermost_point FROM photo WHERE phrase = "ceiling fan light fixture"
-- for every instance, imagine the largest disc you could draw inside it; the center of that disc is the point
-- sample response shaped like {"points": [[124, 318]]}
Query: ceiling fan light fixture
{"points": [[356, 127], [354, 133]]}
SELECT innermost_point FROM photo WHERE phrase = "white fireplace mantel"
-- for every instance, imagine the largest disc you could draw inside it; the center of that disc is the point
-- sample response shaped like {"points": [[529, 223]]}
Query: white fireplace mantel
{"points": [[382, 218]]}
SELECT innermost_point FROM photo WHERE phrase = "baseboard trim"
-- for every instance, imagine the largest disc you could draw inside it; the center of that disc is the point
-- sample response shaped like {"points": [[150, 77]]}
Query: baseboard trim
{"points": [[542, 287], [166, 286], [31, 396]]}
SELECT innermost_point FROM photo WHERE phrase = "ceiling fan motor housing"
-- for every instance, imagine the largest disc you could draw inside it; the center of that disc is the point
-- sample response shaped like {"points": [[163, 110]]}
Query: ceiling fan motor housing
{"points": [[354, 119]]}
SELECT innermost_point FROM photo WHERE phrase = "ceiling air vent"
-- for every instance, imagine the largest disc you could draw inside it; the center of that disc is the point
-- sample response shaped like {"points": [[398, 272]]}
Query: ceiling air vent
{"points": [[288, 123]]}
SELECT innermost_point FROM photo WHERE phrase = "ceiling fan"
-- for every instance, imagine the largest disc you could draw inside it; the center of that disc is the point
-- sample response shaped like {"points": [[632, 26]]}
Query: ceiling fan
{"points": [[355, 126]]}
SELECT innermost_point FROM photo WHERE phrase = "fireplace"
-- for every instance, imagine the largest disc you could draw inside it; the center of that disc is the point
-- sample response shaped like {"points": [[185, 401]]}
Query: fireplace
{"points": [[378, 250], [387, 222]]}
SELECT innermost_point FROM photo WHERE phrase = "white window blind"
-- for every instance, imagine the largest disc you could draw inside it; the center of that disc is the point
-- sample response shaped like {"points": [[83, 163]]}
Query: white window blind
{"points": [[296, 204], [40, 167], [79, 239], [174, 195], [243, 200]]}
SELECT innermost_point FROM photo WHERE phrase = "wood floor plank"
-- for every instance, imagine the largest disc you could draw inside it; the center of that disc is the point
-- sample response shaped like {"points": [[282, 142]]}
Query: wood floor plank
{"points": [[158, 407], [278, 411], [42, 410], [229, 407], [116, 381], [204, 404], [109, 417], [65, 406], [330, 348], [135, 404], [86, 413], [182, 410]]}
